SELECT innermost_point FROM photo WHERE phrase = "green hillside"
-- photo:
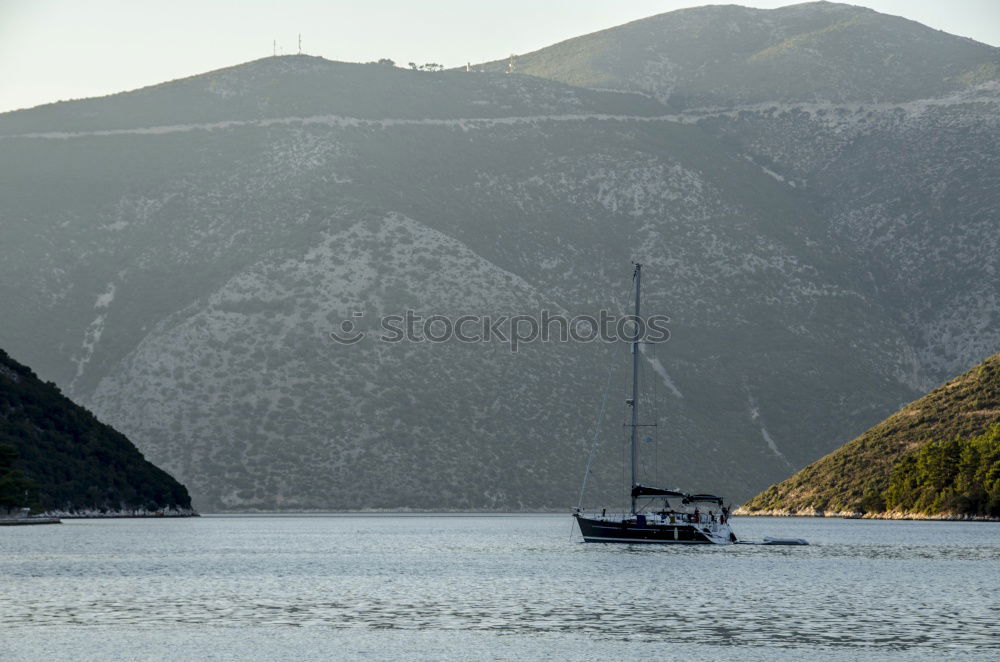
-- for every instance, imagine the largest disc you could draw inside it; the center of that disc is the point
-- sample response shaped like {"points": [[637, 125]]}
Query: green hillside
{"points": [[938, 456], [723, 54], [56, 456]]}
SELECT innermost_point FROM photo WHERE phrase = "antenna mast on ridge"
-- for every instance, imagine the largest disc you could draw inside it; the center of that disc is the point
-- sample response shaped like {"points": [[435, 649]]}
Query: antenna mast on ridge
{"points": [[300, 43]]}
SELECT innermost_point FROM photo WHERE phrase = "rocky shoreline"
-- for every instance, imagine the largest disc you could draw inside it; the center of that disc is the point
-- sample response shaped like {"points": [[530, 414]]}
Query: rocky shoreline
{"points": [[844, 514], [120, 514]]}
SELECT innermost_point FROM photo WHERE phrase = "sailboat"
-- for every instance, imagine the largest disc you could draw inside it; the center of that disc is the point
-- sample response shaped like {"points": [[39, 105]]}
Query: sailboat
{"points": [[657, 515]]}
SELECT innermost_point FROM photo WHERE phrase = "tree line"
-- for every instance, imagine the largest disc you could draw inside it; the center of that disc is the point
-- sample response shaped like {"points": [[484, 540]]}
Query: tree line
{"points": [[960, 476]]}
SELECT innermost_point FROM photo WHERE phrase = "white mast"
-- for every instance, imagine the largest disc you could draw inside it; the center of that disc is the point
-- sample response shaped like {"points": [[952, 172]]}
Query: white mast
{"points": [[637, 277]]}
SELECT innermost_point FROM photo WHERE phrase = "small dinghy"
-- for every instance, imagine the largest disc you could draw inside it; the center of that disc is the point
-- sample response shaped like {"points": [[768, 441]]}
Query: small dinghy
{"points": [[783, 541], [774, 541]]}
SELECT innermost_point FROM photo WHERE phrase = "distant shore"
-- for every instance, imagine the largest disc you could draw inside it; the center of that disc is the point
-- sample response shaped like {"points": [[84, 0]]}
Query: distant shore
{"points": [[119, 514], [940, 517], [28, 521], [738, 512]]}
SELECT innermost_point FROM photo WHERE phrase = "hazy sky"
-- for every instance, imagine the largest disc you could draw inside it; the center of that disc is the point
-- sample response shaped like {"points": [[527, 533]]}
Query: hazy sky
{"points": [[52, 50]]}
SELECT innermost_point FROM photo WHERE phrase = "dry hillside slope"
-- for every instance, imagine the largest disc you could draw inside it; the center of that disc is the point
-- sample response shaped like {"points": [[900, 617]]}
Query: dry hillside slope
{"points": [[865, 475]]}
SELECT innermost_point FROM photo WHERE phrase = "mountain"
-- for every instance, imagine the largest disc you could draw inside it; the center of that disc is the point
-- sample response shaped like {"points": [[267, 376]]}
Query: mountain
{"points": [[726, 55], [72, 462], [183, 253], [937, 456], [306, 86], [890, 130], [195, 272]]}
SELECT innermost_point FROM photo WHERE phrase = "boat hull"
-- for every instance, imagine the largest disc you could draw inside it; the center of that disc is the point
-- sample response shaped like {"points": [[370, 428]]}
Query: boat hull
{"points": [[629, 531]]}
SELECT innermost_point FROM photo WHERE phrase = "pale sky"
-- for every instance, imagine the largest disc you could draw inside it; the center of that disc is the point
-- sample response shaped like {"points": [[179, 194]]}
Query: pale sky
{"points": [[52, 50]]}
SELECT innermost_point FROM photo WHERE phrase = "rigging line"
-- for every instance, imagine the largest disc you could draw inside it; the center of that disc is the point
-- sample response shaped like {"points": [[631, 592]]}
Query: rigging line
{"points": [[641, 440], [638, 440], [652, 433], [623, 443], [597, 433], [600, 417], [625, 453]]}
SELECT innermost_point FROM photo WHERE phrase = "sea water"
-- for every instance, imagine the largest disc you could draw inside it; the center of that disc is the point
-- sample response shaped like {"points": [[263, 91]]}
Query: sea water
{"points": [[520, 587]]}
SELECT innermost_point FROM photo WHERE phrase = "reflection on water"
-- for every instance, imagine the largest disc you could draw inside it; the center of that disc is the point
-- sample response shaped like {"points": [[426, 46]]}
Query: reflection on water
{"points": [[862, 587]]}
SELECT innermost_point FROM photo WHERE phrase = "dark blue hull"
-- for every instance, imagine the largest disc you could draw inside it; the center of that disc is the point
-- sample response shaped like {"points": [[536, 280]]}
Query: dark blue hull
{"points": [[630, 531]]}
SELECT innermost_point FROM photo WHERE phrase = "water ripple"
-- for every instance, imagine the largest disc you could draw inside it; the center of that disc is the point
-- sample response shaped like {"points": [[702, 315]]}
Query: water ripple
{"points": [[889, 587]]}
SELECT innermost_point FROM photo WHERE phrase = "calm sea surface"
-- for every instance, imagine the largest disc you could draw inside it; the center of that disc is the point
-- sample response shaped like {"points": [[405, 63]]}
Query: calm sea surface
{"points": [[492, 587]]}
